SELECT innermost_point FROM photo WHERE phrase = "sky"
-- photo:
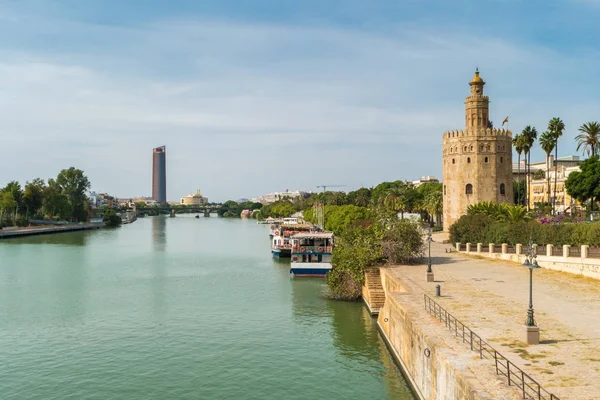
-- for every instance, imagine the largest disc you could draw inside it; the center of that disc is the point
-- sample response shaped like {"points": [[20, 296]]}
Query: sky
{"points": [[252, 97]]}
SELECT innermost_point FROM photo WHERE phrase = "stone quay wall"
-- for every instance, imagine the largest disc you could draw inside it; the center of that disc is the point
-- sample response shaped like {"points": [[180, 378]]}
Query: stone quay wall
{"points": [[433, 361], [571, 259]]}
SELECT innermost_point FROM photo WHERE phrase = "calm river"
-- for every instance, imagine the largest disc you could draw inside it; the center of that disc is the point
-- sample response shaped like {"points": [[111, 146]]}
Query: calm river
{"points": [[178, 308]]}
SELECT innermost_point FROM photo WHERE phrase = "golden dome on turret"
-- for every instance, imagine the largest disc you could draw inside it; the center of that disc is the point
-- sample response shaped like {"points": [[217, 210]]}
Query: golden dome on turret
{"points": [[476, 79]]}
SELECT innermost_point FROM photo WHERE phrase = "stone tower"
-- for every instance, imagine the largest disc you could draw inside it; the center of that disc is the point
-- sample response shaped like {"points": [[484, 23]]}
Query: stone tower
{"points": [[476, 161]]}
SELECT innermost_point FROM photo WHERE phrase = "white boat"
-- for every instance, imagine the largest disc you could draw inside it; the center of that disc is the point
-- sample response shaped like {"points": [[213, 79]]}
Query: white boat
{"points": [[311, 253]]}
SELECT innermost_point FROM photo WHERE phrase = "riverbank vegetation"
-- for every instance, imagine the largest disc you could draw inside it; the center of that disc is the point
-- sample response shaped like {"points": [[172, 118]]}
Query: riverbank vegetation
{"points": [[371, 242], [425, 200], [62, 198]]}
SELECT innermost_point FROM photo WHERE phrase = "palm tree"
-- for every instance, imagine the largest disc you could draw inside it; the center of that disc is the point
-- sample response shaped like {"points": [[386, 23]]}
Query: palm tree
{"points": [[518, 143], [556, 127], [589, 138], [394, 200], [547, 143], [529, 135]]}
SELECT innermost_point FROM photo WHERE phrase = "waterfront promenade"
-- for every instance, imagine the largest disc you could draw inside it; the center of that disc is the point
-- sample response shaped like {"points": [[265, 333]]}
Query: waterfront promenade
{"points": [[8, 233], [491, 297]]}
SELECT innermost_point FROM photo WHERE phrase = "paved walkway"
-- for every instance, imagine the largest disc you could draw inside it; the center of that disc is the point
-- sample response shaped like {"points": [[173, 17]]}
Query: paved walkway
{"points": [[491, 297]]}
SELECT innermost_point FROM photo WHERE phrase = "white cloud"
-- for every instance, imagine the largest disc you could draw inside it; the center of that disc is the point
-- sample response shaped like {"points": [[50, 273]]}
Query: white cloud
{"points": [[250, 108]]}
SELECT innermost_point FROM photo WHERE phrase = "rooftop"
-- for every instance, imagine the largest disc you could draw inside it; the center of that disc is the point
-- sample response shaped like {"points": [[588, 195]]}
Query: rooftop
{"points": [[317, 235]]}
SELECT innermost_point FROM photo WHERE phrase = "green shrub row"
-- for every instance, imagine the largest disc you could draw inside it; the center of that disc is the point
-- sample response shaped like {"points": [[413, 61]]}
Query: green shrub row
{"points": [[483, 229]]}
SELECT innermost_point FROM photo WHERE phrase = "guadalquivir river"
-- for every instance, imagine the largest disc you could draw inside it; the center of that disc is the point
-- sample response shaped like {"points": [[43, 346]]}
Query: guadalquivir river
{"points": [[178, 308]]}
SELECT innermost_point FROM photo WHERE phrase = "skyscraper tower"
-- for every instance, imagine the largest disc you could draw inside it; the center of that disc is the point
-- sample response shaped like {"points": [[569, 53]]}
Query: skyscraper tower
{"points": [[159, 175], [477, 160]]}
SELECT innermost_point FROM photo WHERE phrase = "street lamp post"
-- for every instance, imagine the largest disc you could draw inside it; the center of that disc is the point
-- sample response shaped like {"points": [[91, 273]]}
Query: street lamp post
{"points": [[531, 329], [429, 270]]}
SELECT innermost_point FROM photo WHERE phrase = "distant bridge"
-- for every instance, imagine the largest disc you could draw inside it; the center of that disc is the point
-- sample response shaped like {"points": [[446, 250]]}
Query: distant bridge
{"points": [[178, 209]]}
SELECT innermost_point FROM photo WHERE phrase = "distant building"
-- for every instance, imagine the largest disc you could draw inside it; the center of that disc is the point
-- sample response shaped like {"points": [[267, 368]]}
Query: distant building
{"points": [[159, 175], [99, 200], [194, 199], [561, 168], [273, 197], [425, 179]]}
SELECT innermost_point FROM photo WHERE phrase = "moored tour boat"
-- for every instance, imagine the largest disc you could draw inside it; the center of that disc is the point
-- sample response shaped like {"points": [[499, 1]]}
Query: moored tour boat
{"points": [[311, 253], [281, 243]]}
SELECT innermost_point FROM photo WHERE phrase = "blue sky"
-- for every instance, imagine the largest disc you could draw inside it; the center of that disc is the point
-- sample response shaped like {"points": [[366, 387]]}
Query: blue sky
{"points": [[258, 96]]}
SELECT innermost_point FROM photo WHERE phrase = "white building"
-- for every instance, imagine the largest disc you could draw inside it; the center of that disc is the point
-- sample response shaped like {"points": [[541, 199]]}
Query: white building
{"points": [[273, 197], [194, 199]]}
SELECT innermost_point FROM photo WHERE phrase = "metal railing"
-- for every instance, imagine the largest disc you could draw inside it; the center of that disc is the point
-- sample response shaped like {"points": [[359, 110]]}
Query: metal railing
{"points": [[515, 376]]}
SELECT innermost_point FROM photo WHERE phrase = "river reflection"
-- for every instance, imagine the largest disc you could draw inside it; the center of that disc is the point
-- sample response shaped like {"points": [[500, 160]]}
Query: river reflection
{"points": [[159, 233]]}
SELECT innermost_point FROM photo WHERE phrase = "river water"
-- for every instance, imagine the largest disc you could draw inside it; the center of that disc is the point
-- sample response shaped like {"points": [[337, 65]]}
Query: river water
{"points": [[178, 308]]}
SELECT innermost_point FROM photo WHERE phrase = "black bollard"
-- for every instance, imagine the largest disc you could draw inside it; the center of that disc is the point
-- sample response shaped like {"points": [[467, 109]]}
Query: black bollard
{"points": [[437, 290]]}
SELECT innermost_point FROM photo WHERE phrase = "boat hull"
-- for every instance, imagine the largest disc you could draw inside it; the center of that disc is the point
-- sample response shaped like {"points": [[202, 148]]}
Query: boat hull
{"points": [[310, 269], [282, 253]]}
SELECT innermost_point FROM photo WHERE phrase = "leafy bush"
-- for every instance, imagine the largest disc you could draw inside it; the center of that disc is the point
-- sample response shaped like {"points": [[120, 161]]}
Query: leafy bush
{"points": [[403, 243], [470, 229], [111, 219], [483, 229]]}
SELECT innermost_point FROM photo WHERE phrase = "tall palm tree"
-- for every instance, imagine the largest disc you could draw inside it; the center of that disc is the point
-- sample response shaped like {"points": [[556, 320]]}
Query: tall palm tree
{"points": [[547, 143], [589, 138], [517, 142], [529, 135], [394, 200], [556, 127]]}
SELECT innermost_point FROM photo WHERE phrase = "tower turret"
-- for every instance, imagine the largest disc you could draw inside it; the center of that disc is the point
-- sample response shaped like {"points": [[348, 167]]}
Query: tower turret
{"points": [[477, 107]]}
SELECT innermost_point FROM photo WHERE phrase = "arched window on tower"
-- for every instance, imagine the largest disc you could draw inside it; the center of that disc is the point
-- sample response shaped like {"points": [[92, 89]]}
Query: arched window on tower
{"points": [[469, 160], [471, 148], [469, 189], [444, 190], [502, 189], [501, 159], [487, 147], [453, 161], [486, 159]]}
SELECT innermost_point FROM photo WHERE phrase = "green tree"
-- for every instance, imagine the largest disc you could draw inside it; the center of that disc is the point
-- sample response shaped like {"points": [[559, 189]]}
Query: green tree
{"points": [[15, 189], [111, 218], [584, 184], [75, 185], [529, 135], [358, 249], [556, 128], [589, 138], [360, 197], [547, 142], [55, 204], [519, 146], [33, 196]]}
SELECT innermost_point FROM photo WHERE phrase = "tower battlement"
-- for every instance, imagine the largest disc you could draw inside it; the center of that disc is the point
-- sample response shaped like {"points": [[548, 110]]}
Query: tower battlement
{"points": [[476, 132]]}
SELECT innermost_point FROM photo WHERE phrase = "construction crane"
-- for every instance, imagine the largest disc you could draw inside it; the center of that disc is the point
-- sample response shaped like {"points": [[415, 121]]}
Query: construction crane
{"points": [[329, 186]]}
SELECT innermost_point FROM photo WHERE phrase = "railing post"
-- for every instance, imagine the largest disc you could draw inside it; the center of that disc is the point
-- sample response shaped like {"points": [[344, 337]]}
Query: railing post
{"points": [[566, 248], [518, 249], [468, 247], [496, 361], [504, 248], [585, 251], [549, 248], [471, 340], [491, 248], [479, 247], [480, 349], [457, 246], [508, 371], [523, 382]]}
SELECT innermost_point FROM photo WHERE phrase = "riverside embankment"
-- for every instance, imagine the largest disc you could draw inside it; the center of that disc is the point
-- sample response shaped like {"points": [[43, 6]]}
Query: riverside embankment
{"points": [[8, 233], [491, 298]]}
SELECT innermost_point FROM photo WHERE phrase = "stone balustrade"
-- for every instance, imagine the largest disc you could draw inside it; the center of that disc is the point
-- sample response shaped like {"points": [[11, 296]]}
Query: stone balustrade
{"points": [[573, 259]]}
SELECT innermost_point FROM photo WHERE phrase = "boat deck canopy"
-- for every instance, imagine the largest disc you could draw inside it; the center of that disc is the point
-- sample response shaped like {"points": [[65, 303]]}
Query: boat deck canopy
{"points": [[315, 235]]}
